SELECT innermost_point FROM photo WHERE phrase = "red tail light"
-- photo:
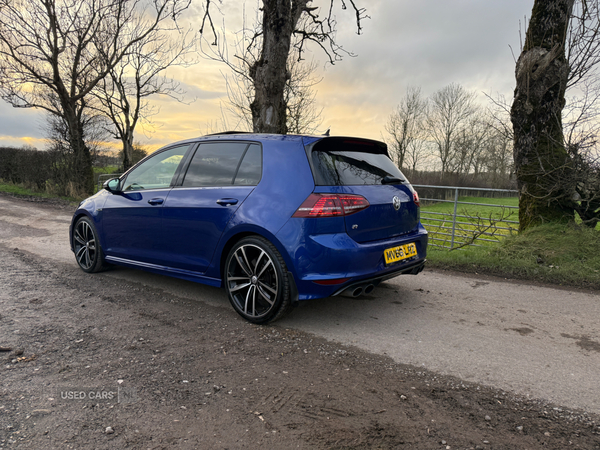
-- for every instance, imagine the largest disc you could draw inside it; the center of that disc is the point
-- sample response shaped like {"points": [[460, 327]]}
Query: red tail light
{"points": [[331, 205], [416, 198], [331, 282]]}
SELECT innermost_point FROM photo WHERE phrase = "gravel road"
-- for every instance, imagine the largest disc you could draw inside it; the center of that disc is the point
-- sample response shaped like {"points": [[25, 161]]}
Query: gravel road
{"points": [[486, 362]]}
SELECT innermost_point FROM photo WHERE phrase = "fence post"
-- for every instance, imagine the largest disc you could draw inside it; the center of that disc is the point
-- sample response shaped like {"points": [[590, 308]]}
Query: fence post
{"points": [[454, 217]]}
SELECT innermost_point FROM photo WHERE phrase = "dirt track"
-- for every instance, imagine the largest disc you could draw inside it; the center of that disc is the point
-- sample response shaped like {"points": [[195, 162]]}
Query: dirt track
{"points": [[194, 375]]}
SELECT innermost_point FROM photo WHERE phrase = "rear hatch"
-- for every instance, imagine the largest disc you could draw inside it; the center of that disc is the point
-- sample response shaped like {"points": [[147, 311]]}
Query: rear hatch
{"points": [[363, 167]]}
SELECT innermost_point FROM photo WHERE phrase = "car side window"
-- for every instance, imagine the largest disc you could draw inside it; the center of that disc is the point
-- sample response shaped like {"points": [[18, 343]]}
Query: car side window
{"points": [[250, 170], [225, 164], [156, 172]]}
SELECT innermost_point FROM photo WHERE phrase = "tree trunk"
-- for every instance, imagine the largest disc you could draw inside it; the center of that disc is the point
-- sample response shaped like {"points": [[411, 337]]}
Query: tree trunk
{"points": [[127, 140], [83, 174], [541, 160], [269, 74]]}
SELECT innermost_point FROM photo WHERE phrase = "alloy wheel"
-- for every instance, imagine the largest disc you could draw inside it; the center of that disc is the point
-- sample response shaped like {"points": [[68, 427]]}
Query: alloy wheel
{"points": [[84, 240], [252, 281]]}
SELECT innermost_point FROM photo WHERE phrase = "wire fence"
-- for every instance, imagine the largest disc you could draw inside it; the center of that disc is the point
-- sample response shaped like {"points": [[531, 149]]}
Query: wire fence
{"points": [[461, 216]]}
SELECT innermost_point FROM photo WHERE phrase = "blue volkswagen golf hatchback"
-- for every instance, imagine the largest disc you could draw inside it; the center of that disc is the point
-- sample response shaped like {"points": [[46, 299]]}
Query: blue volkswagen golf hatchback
{"points": [[274, 219]]}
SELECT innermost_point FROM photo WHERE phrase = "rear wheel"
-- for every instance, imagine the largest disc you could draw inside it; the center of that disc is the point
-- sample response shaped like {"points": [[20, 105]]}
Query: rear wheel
{"points": [[256, 281], [88, 252]]}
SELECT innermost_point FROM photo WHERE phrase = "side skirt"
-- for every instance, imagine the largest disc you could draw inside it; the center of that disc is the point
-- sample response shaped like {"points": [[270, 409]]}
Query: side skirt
{"points": [[165, 270]]}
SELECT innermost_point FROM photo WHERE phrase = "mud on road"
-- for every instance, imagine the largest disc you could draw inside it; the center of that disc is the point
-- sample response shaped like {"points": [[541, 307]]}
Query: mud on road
{"points": [[166, 371], [176, 373]]}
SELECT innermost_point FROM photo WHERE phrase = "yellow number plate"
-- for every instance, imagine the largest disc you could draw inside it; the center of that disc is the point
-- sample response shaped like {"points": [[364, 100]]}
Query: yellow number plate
{"points": [[399, 253]]}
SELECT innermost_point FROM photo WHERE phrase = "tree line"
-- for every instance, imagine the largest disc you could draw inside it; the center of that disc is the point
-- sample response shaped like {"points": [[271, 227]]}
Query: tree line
{"points": [[90, 64], [449, 132]]}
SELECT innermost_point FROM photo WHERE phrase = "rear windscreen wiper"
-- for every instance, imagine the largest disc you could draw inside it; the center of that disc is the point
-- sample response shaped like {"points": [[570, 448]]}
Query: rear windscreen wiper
{"points": [[391, 180]]}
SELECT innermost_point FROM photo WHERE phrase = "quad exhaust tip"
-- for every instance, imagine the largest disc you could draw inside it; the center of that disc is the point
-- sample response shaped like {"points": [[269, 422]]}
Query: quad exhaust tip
{"points": [[357, 291]]}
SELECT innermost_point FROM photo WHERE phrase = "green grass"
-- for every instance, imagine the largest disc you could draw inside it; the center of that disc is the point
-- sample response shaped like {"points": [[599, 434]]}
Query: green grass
{"points": [[474, 218], [14, 189], [105, 169], [448, 207], [554, 253]]}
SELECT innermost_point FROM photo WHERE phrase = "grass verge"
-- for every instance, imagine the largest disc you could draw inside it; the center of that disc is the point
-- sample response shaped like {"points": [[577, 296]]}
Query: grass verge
{"points": [[19, 191], [555, 253]]}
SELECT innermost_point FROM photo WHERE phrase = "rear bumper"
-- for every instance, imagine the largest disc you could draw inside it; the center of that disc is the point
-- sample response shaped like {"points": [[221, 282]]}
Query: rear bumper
{"points": [[411, 269], [329, 256]]}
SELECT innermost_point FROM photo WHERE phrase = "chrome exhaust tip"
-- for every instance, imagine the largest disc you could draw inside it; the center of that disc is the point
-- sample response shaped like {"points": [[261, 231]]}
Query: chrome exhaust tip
{"points": [[357, 291], [369, 288]]}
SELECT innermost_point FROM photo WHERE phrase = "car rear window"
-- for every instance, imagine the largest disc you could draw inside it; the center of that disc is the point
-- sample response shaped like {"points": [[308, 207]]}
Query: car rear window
{"points": [[351, 163]]}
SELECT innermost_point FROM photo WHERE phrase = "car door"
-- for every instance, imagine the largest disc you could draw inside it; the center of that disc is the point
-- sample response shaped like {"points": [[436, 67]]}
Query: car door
{"points": [[132, 218], [219, 178]]}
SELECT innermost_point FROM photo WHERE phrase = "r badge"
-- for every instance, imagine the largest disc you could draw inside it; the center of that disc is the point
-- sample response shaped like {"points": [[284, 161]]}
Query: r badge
{"points": [[396, 201]]}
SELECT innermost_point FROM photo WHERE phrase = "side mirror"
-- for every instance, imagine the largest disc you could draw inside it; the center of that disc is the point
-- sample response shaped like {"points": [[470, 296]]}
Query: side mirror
{"points": [[112, 185]]}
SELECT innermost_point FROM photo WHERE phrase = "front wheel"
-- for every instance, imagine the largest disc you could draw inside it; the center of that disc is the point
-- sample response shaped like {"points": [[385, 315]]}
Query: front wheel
{"points": [[88, 252], [256, 281]]}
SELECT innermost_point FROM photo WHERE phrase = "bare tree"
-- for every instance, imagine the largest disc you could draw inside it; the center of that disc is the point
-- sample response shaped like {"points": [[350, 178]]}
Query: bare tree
{"points": [[450, 109], [64, 162], [123, 95], [406, 128], [582, 40], [498, 157], [53, 53], [469, 153], [286, 27], [303, 116]]}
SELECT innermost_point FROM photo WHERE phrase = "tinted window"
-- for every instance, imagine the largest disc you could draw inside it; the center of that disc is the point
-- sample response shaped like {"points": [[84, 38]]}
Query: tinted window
{"points": [[157, 172], [352, 168], [216, 164], [250, 170]]}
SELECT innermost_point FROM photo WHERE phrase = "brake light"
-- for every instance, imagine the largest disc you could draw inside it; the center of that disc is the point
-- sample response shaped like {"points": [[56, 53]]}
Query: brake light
{"points": [[331, 205], [416, 199]]}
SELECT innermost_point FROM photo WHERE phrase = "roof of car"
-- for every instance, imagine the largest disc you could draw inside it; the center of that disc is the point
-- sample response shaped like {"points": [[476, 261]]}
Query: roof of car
{"points": [[262, 137]]}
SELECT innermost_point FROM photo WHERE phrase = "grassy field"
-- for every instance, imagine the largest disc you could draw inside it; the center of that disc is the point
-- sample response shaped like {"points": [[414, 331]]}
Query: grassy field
{"points": [[106, 169], [471, 219], [448, 207]]}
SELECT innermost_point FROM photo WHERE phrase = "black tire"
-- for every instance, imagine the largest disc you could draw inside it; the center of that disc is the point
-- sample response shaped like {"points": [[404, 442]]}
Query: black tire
{"points": [[256, 281], [88, 252]]}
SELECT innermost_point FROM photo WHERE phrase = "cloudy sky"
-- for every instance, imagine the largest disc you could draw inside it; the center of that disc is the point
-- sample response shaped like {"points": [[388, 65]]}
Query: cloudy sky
{"points": [[425, 43]]}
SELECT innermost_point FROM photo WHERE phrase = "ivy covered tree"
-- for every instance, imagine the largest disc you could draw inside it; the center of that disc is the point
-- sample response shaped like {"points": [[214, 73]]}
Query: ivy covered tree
{"points": [[542, 162]]}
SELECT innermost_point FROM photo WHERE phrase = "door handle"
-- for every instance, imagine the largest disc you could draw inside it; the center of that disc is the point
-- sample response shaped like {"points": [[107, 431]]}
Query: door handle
{"points": [[156, 201], [227, 201]]}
